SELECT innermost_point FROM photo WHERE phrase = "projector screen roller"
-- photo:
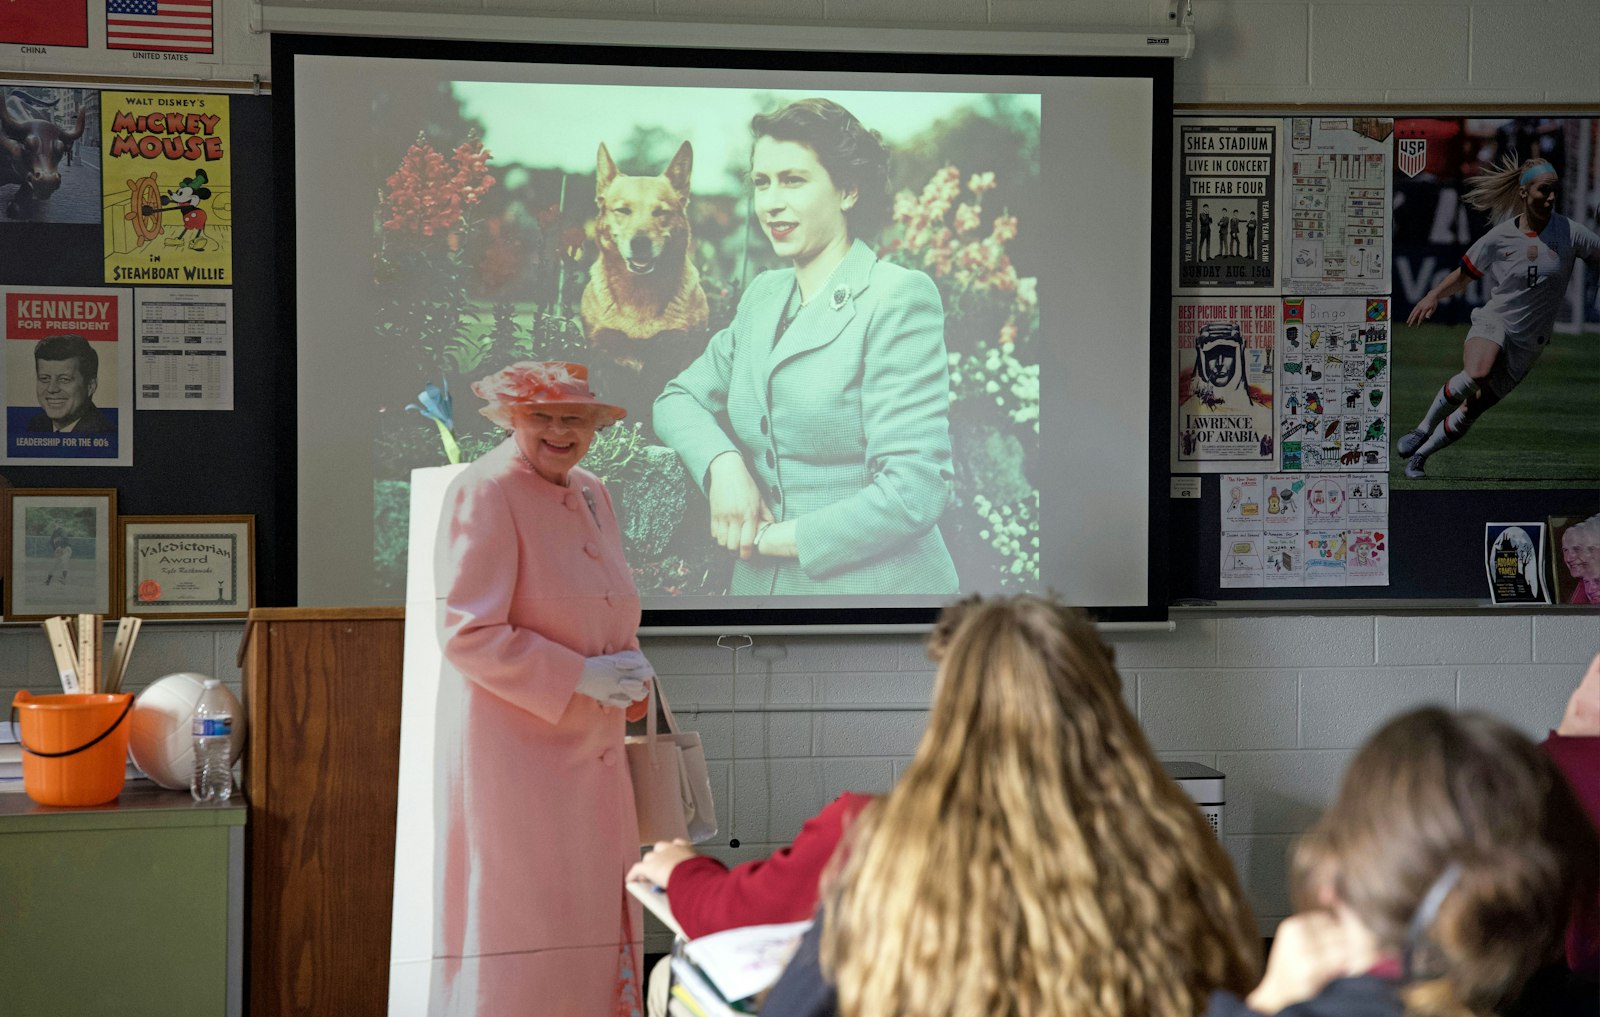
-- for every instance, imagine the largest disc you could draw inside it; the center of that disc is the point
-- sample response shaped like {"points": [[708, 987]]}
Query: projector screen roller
{"points": [[964, 406]]}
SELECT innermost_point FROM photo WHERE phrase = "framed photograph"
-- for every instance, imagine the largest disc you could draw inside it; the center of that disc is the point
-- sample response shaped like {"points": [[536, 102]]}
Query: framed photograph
{"points": [[63, 560], [188, 566], [1575, 558]]}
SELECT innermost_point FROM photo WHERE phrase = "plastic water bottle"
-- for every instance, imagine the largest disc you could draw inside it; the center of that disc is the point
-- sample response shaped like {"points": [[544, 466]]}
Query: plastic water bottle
{"points": [[213, 730]]}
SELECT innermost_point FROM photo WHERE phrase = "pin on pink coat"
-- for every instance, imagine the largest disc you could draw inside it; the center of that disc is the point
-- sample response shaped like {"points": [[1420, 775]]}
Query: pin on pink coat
{"points": [[534, 819]]}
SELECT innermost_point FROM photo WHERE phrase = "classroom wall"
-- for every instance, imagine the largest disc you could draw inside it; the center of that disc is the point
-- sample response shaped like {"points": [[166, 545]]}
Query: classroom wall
{"points": [[1248, 52], [1277, 702]]}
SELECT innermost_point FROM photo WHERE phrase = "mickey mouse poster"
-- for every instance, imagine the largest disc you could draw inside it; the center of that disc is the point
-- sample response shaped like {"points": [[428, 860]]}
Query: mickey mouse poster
{"points": [[167, 186]]}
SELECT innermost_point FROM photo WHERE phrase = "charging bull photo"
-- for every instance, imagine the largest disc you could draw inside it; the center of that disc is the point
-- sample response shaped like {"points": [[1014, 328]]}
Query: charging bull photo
{"points": [[48, 172]]}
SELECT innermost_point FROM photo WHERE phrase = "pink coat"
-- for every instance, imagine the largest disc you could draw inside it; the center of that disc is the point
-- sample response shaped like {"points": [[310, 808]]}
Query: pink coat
{"points": [[534, 811]]}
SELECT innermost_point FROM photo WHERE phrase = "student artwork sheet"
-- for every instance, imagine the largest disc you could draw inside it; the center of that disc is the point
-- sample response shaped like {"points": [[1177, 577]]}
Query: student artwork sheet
{"points": [[1366, 499], [1286, 530], [1241, 501], [1367, 558], [1243, 560], [1338, 182], [1227, 174], [68, 375], [185, 344], [1285, 564], [1285, 496], [1333, 383], [1222, 367], [1513, 558], [1325, 557], [168, 186]]}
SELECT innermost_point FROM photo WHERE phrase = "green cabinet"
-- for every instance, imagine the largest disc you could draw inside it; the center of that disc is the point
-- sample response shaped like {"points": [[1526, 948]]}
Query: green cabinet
{"points": [[132, 908]]}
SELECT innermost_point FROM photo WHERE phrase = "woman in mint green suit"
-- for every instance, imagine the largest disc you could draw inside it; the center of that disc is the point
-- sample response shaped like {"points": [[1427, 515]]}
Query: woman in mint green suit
{"points": [[834, 467]]}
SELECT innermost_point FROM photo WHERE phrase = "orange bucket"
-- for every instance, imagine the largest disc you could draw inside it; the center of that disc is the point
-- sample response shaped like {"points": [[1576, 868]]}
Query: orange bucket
{"points": [[75, 747]]}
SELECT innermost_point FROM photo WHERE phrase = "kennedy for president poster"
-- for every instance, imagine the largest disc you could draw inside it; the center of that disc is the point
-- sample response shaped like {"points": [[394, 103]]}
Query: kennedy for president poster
{"points": [[68, 376]]}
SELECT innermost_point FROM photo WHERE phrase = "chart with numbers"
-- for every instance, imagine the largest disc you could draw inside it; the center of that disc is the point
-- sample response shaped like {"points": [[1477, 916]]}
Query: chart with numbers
{"points": [[1339, 185], [185, 344]]}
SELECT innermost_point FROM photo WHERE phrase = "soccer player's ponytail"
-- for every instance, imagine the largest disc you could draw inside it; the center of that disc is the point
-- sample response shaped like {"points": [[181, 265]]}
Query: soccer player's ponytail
{"points": [[1499, 191]]}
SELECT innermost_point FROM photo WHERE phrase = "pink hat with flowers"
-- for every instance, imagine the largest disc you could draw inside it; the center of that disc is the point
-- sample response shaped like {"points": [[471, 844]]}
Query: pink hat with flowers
{"points": [[535, 383]]}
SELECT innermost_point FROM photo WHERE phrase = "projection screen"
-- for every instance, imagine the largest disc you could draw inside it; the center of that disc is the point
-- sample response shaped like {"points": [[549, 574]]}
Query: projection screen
{"points": [[443, 201]]}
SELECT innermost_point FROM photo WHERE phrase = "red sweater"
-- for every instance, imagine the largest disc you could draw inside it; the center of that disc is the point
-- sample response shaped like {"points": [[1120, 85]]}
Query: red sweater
{"points": [[1579, 759], [706, 896]]}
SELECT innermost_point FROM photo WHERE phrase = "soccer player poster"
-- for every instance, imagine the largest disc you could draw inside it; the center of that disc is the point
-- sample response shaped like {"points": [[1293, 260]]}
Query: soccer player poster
{"points": [[1497, 322], [68, 376], [168, 188]]}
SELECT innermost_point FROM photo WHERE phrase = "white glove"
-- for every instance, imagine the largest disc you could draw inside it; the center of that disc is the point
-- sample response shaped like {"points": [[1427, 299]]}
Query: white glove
{"points": [[616, 679]]}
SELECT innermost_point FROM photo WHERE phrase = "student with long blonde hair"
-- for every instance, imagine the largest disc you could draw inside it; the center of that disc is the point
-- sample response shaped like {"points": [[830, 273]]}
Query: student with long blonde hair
{"points": [[1033, 860], [1442, 878]]}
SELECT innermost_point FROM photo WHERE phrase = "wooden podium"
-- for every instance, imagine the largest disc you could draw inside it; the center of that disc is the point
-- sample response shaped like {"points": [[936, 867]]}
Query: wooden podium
{"points": [[322, 693]]}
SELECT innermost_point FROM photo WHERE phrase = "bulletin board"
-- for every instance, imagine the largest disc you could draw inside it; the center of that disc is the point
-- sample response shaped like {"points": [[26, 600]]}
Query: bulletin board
{"points": [[183, 462], [1531, 458]]}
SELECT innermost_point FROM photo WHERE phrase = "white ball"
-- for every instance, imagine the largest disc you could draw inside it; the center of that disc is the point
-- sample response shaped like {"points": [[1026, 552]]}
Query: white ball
{"points": [[161, 738]]}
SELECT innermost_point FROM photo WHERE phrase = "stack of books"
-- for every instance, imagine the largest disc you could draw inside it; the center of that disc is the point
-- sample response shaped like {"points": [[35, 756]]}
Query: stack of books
{"points": [[723, 974], [10, 759]]}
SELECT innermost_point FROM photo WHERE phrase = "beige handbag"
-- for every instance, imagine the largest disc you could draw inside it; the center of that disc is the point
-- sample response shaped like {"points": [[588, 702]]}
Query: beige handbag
{"points": [[671, 788]]}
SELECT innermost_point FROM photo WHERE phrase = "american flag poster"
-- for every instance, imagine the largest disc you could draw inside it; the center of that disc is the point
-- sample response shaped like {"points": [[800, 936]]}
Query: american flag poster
{"points": [[44, 22], [170, 26]]}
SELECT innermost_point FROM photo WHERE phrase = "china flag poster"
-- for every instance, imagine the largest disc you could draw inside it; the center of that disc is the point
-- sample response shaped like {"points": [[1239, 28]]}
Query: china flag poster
{"points": [[45, 22]]}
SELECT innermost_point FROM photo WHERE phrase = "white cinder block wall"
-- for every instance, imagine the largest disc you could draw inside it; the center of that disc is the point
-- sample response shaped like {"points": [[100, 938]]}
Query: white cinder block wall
{"points": [[1276, 702]]}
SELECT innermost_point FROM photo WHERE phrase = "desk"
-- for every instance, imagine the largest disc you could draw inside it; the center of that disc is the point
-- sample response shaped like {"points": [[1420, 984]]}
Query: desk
{"points": [[134, 908]]}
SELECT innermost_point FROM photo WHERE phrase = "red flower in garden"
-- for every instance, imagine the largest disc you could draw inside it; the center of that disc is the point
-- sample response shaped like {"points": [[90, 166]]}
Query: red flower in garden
{"points": [[428, 194]]}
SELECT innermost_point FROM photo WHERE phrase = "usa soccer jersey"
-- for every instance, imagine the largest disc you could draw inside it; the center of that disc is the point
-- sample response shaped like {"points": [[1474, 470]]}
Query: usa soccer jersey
{"points": [[1525, 281], [1525, 277]]}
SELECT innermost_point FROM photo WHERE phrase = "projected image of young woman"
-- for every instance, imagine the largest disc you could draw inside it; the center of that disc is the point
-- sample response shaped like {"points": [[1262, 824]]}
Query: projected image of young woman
{"points": [[1524, 264], [834, 465]]}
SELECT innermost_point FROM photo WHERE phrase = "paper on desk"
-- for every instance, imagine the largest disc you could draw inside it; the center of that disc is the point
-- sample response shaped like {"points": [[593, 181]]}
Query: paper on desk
{"points": [[742, 962], [655, 901]]}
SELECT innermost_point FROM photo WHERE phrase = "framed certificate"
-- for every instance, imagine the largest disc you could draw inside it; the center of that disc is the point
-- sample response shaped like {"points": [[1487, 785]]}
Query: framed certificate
{"points": [[188, 566], [62, 557]]}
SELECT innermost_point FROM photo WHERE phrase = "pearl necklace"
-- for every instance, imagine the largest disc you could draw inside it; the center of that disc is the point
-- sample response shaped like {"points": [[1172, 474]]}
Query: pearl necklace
{"points": [[529, 462]]}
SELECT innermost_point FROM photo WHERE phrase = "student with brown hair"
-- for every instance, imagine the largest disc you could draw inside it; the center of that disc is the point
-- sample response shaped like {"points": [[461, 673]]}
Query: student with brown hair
{"points": [[1440, 881], [1034, 859]]}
